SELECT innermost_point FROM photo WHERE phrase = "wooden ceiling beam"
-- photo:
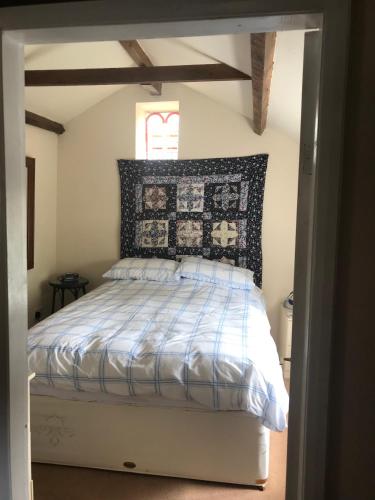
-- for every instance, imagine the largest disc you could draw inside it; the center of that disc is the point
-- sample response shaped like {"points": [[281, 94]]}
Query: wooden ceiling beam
{"points": [[141, 75], [44, 123], [139, 56], [262, 54]]}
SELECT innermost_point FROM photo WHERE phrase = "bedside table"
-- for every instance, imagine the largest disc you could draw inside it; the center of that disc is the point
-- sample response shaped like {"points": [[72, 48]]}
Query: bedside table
{"points": [[74, 286], [286, 327]]}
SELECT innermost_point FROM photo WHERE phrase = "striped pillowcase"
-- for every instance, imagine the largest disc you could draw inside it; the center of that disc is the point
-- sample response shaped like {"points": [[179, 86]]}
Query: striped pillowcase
{"points": [[143, 269], [212, 271]]}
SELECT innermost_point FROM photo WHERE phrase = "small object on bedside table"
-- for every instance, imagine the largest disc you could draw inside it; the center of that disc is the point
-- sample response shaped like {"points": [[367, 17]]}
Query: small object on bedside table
{"points": [[70, 282], [69, 277], [286, 326]]}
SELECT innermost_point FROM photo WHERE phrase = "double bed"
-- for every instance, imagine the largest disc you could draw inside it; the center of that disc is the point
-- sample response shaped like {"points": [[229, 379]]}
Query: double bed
{"points": [[176, 378], [168, 368]]}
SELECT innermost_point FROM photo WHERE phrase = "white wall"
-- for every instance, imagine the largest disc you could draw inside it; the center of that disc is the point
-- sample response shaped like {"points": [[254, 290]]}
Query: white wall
{"points": [[89, 189], [42, 146]]}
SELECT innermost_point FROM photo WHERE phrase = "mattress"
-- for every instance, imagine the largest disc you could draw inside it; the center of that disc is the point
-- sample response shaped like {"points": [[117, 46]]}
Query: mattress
{"points": [[186, 343]]}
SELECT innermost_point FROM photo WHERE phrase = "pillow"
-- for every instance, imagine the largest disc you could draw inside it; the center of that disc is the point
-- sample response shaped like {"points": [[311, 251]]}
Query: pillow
{"points": [[212, 271], [143, 269]]}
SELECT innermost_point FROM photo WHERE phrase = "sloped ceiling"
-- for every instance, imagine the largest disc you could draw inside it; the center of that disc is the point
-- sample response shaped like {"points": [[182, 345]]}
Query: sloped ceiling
{"points": [[65, 103]]}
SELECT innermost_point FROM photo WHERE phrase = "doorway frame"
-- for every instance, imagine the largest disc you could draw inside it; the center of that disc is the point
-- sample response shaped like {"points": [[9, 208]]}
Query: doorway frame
{"points": [[318, 203]]}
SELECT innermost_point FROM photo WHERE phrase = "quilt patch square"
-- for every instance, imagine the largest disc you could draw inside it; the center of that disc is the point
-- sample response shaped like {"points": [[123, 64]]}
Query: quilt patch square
{"points": [[208, 207], [225, 233], [155, 198], [226, 197], [189, 233], [190, 197], [153, 234], [228, 233]]}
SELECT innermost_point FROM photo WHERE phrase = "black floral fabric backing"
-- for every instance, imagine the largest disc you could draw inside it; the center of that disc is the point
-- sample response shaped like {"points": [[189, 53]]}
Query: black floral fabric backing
{"points": [[211, 207]]}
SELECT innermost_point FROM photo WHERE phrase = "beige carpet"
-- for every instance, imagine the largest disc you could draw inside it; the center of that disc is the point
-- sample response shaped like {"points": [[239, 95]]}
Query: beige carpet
{"points": [[54, 482]]}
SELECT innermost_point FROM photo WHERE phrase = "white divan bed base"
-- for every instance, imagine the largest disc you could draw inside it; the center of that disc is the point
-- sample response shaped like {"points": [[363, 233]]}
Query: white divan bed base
{"points": [[230, 447]]}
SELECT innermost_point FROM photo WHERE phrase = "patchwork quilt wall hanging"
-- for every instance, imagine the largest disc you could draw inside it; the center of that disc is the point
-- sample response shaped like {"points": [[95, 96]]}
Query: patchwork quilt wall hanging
{"points": [[209, 207]]}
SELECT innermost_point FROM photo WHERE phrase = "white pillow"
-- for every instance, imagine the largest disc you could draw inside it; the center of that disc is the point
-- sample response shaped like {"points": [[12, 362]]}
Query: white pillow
{"points": [[212, 271], [143, 269]]}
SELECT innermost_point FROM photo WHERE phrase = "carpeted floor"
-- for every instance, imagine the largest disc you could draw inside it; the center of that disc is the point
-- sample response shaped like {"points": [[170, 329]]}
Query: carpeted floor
{"points": [[54, 482]]}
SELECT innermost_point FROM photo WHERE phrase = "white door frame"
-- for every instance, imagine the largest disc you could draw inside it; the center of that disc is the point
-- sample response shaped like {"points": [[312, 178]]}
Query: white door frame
{"points": [[319, 189]]}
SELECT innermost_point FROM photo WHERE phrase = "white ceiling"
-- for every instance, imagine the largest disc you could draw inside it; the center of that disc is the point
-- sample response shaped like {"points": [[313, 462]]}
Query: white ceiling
{"points": [[65, 103]]}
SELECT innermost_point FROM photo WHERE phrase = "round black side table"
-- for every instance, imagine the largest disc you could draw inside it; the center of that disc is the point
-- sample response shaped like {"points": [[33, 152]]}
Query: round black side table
{"points": [[74, 287]]}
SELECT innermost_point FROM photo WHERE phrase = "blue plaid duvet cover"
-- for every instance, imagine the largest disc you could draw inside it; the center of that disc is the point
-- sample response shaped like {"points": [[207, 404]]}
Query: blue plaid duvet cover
{"points": [[186, 341]]}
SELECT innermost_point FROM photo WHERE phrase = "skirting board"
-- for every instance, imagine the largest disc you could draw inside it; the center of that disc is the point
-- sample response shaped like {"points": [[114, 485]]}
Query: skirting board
{"points": [[229, 447]]}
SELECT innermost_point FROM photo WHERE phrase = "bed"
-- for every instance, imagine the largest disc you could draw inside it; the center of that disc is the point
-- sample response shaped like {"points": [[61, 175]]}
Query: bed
{"points": [[168, 368], [177, 378]]}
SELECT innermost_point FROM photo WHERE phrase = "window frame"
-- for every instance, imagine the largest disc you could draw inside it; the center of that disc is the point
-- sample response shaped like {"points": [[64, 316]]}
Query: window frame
{"points": [[164, 120]]}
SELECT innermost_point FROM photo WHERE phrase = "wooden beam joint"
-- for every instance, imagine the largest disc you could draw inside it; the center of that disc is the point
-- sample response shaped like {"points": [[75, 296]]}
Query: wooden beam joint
{"points": [[139, 56]]}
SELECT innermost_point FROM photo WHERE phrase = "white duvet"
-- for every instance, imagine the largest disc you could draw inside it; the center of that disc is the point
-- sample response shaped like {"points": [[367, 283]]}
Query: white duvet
{"points": [[188, 341]]}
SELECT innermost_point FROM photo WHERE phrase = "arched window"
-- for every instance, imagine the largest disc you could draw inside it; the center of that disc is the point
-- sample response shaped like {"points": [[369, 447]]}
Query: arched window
{"points": [[162, 135]]}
